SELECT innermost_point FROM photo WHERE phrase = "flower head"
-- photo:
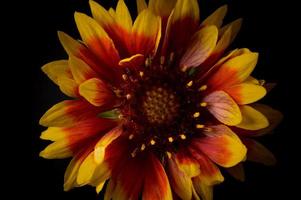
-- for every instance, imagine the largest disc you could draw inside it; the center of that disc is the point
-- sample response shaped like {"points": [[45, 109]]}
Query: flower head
{"points": [[158, 105]]}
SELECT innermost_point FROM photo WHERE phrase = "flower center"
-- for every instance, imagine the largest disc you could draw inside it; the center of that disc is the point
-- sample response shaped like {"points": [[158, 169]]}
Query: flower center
{"points": [[160, 105]]}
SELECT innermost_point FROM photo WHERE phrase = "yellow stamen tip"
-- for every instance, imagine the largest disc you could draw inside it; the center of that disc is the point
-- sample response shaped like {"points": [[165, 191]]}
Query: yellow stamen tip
{"points": [[190, 83], [199, 126], [196, 115], [141, 74], [203, 88], [183, 137], [203, 104], [170, 139], [124, 77], [128, 96], [152, 142], [131, 136], [168, 154], [143, 147]]}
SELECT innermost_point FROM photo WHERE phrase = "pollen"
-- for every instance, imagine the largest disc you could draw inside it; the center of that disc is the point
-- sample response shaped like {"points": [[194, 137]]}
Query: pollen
{"points": [[183, 137], [199, 126], [152, 142], [196, 115], [203, 104], [190, 83], [170, 139], [203, 88]]}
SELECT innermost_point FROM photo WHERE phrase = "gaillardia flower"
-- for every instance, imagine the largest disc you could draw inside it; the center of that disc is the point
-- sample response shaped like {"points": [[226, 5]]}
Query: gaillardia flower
{"points": [[157, 105]]}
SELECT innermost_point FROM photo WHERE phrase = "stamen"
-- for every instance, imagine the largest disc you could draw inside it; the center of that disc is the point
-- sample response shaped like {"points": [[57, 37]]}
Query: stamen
{"points": [[131, 136], [196, 115], [152, 142], [199, 126], [124, 77], [183, 137], [203, 88], [170, 139], [171, 57], [142, 148], [133, 154], [208, 129], [162, 60], [203, 104], [128, 96], [168, 154], [261, 82], [189, 84], [141, 74], [147, 62]]}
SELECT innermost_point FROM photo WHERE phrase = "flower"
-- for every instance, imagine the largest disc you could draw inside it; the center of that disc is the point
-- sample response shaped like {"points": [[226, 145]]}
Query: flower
{"points": [[157, 105]]}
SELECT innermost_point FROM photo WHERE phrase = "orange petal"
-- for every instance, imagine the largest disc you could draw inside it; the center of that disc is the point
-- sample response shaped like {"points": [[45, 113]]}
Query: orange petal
{"points": [[156, 185], [146, 33], [209, 172], [134, 61], [187, 163], [200, 48], [237, 171], [252, 119], [259, 153], [80, 70], [223, 107], [180, 182], [141, 5], [246, 93], [96, 92], [56, 69], [67, 113], [217, 17], [234, 71], [222, 146]]}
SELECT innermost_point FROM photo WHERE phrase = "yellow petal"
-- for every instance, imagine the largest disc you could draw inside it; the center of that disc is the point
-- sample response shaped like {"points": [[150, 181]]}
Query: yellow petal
{"points": [[68, 86], [99, 187], [112, 12], [162, 8], [100, 14], [252, 119], [205, 191], [70, 45], [86, 170], [53, 134], [186, 9], [96, 92], [57, 150], [235, 28], [80, 70], [141, 5], [217, 17], [136, 60], [200, 48], [57, 69], [123, 17], [245, 93], [147, 33], [223, 108]]}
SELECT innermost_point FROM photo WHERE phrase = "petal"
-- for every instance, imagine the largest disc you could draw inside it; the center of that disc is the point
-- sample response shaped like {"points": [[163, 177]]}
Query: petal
{"points": [[70, 45], [223, 108], [146, 33], [180, 182], [252, 119], [67, 113], [205, 191], [86, 170], [72, 170], [259, 153], [57, 69], [187, 164], [274, 117], [101, 15], [156, 185], [234, 71], [68, 86], [217, 17], [134, 61], [96, 92], [162, 8], [209, 172], [237, 171], [97, 40], [200, 48], [183, 23], [123, 17], [235, 28], [141, 5], [57, 150], [222, 146], [80, 70], [246, 93]]}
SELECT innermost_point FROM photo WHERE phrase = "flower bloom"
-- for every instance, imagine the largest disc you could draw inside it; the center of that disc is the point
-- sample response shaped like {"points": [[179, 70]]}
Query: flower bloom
{"points": [[157, 105]]}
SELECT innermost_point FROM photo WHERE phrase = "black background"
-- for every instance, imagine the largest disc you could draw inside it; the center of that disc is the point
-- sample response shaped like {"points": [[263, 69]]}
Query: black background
{"points": [[269, 27]]}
